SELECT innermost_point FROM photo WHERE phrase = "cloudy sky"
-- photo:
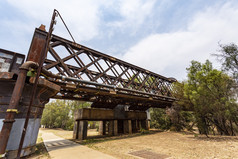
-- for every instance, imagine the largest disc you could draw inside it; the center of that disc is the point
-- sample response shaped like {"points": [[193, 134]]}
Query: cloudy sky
{"points": [[160, 35]]}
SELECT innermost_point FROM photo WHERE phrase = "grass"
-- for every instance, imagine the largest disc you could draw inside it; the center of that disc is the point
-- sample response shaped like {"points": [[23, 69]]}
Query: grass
{"points": [[182, 145]]}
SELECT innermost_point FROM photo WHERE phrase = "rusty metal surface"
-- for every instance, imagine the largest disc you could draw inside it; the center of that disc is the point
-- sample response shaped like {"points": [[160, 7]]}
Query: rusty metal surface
{"points": [[7, 75], [37, 46], [10, 115], [11, 109], [120, 81], [10, 61], [45, 83], [43, 93], [42, 52]]}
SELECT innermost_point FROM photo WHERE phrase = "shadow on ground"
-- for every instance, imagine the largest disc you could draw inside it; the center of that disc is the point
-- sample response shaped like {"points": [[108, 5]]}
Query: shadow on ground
{"points": [[104, 138], [216, 138]]}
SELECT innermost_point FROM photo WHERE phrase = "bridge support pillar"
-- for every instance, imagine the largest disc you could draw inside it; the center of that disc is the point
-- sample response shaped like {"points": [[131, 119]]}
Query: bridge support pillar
{"points": [[127, 126], [133, 126], [115, 125], [147, 124], [82, 129], [111, 128], [76, 127], [139, 125], [102, 127]]}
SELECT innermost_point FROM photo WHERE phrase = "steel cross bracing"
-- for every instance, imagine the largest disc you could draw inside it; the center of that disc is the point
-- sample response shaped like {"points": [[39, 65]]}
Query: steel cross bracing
{"points": [[104, 80]]}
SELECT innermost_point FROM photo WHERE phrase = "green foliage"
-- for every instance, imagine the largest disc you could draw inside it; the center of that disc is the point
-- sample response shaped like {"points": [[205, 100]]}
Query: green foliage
{"points": [[159, 119], [188, 120], [212, 99], [176, 118], [59, 113], [207, 99], [229, 57]]}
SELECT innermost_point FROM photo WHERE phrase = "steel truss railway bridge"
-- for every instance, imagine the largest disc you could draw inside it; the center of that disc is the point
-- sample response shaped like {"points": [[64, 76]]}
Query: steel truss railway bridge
{"points": [[62, 69], [89, 75]]}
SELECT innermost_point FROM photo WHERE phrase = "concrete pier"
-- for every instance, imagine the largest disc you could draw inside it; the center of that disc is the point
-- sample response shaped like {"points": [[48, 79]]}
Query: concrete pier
{"points": [[111, 122]]}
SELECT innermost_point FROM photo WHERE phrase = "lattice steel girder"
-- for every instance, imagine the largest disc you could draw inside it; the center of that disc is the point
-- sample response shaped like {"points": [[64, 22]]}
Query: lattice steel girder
{"points": [[102, 72]]}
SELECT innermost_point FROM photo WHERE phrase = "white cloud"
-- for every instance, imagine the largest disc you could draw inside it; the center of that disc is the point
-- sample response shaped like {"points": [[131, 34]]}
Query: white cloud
{"points": [[81, 16], [170, 53], [134, 13], [84, 18]]}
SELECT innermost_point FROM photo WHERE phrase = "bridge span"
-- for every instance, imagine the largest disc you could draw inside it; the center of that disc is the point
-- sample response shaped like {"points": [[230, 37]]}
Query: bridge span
{"points": [[90, 75], [58, 68]]}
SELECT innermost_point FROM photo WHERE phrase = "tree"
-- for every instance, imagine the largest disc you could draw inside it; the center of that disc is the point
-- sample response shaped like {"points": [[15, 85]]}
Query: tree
{"points": [[229, 57], [159, 119], [212, 98], [60, 113]]}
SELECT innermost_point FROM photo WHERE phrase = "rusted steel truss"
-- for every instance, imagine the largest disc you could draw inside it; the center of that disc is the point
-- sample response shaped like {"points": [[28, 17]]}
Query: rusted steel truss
{"points": [[103, 78]]}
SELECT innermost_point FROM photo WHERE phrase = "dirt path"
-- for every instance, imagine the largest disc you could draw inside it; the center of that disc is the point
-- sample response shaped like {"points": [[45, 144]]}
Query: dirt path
{"points": [[60, 148]]}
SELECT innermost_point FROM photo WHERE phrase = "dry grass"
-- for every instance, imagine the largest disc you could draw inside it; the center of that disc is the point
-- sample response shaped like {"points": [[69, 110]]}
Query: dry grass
{"points": [[173, 144]]}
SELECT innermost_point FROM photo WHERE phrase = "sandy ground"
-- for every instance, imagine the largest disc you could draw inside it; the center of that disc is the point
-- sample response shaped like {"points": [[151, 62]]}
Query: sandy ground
{"points": [[171, 144], [174, 145]]}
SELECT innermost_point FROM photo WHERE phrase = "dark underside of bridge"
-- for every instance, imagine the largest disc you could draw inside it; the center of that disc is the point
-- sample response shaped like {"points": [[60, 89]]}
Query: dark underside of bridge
{"points": [[89, 75]]}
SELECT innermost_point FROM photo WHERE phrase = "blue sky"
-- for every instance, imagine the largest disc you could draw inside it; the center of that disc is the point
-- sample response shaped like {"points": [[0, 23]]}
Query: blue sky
{"points": [[162, 36]]}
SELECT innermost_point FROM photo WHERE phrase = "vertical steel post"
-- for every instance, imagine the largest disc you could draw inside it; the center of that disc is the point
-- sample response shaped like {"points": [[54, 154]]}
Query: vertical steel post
{"points": [[43, 54]]}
